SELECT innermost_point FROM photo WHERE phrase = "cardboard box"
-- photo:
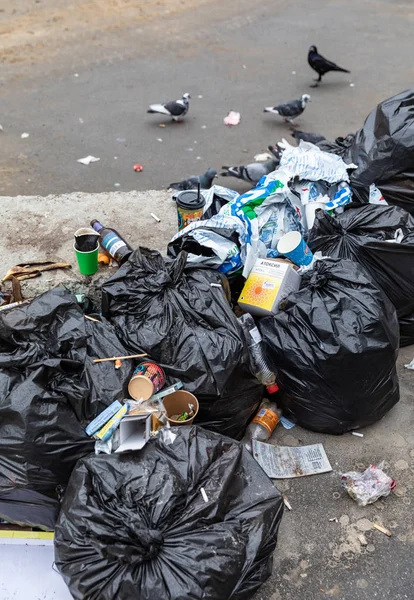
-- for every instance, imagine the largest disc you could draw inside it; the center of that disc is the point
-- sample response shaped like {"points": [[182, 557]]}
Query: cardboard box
{"points": [[269, 282], [134, 431]]}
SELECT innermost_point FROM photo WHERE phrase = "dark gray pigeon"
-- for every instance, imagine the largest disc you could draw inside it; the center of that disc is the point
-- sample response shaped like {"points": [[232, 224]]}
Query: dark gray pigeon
{"points": [[313, 138], [175, 109], [290, 110], [191, 183], [321, 65], [251, 173]]}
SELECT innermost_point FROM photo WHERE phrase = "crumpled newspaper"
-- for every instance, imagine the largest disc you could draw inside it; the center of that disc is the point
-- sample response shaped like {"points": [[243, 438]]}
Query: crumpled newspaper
{"points": [[307, 161], [367, 486]]}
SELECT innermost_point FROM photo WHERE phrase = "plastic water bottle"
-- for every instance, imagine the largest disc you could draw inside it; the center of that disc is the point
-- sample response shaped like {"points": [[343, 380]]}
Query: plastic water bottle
{"points": [[262, 370], [263, 425]]}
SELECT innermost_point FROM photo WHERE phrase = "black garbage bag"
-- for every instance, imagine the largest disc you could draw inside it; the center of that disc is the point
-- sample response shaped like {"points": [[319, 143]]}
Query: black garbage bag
{"points": [[136, 525], [171, 311], [49, 391], [334, 344], [361, 234], [383, 150]]}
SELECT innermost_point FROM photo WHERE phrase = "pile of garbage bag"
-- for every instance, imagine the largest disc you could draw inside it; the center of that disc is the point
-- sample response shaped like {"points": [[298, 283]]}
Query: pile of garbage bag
{"points": [[378, 238], [334, 344], [180, 315], [192, 515], [50, 390]]}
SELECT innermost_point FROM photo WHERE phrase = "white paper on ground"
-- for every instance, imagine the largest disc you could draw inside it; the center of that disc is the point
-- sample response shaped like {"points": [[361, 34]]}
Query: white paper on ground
{"points": [[284, 462], [410, 365], [87, 160]]}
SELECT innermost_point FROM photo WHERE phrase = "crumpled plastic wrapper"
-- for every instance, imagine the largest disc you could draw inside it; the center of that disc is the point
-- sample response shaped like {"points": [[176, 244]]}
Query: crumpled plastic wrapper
{"points": [[367, 486]]}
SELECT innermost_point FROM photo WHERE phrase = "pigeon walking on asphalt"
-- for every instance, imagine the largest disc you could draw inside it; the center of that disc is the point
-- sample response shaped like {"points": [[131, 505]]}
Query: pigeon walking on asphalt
{"points": [[321, 65], [191, 183], [291, 110], [305, 136], [175, 109], [251, 173]]}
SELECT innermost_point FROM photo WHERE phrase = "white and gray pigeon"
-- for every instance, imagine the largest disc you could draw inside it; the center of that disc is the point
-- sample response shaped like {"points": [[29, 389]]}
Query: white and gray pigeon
{"points": [[191, 183], [175, 109], [251, 173], [291, 110]]}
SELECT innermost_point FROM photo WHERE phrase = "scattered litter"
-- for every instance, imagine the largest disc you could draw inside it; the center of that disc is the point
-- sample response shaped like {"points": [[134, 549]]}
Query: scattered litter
{"points": [[199, 96], [204, 127], [410, 365], [88, 160], [81, 120], [118, 364], [24, 135], [162, 125], [203, 493], [1, 128], [382, 529], [195, 142], [115, 358], [357, 434], [155, 217], [137, 168], [286, 423], [120, 140], [293, 72], [117, 185], [76, 74], [244, 66], [115, 158], [262, 157], [286, 502], [367, 486], [352, 85], [217, 285], [189, 149], [198, 157], [285, 462], [334, 520], [159, 139], [232, 119]]}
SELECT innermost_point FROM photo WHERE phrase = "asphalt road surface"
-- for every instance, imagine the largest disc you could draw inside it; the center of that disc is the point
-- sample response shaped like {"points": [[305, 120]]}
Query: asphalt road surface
{"points": [[88, 94]]}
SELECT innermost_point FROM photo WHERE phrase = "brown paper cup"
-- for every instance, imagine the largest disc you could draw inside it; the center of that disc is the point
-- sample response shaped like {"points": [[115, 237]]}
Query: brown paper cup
{"points": [[176, 403]]}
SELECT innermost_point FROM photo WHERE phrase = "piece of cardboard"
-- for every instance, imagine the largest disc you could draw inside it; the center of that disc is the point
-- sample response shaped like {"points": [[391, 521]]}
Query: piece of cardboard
{"points": [[134, 431], [270, 281]]}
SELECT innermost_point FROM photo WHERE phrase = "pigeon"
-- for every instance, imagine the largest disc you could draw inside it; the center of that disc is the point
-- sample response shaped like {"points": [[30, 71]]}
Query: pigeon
{"points": [[276, 151], [321, 65], [290, 110], [191, 183], [174, 109], [251, 173], [313, 138]]}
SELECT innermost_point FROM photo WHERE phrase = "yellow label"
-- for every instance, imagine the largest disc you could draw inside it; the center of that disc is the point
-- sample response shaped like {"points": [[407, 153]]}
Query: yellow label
{"points": [[260, 290], [117, 417]]}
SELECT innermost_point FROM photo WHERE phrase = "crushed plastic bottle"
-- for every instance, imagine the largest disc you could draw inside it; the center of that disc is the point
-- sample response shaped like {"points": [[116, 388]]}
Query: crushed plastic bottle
{"points": [[263, 424], [262, 370]]}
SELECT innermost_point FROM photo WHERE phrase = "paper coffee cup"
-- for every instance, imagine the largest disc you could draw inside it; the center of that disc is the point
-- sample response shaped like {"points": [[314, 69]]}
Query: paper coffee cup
{"points": [[293, 246]]}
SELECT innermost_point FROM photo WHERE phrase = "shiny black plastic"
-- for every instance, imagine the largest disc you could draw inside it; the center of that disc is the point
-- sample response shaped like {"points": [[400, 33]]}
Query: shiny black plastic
{"points": [[50, 390], [360, 234], [334, 345], [136, 525], [171, 311]]}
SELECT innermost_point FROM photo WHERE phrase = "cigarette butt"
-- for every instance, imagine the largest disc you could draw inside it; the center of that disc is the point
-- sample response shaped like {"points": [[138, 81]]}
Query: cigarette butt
{"points": [[382, 529], [203, 493], [286, 503], [334, 520], [218, 285], [155, 217], [357, 434]]}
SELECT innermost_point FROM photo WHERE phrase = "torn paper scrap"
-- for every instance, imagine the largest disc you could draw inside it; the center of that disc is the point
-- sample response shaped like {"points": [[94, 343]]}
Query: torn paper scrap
{"points": [[87, 160], [233, 118], [284, 462]]}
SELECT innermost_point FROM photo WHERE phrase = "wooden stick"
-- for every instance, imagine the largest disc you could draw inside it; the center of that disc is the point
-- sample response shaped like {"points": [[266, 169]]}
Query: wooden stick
{"points": [[91, 319], [99, 360], [382, 529]]}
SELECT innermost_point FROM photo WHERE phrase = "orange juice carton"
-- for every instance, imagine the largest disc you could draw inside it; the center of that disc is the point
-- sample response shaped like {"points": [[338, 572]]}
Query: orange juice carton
{"points": [[269, 282]]}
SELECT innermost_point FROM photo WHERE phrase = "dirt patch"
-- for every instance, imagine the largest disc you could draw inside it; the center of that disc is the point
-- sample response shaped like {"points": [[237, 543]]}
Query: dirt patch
{"points": [[37, 31]]}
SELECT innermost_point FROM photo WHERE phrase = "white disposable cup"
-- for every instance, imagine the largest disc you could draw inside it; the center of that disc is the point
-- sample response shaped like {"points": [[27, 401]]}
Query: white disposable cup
{"points": [[310, 210]]}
